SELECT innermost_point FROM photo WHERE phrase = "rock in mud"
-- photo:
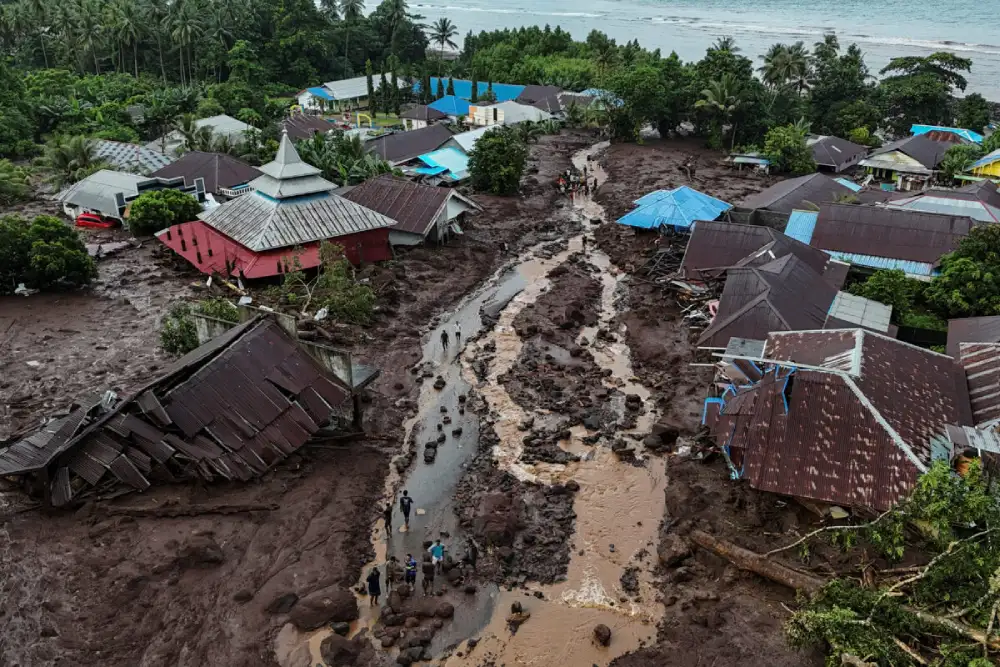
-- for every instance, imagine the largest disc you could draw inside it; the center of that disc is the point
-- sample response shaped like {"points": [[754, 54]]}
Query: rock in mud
{"points": [[602, 634], [592, 422], [630, 580], [439, 383], [338, 651], [200, 551], [324, 606], [526, 424], [456, 431], [395, 601], [342, 628], [673, 550], [282, 604], [515, 621], [430, 453], [572, 486]]}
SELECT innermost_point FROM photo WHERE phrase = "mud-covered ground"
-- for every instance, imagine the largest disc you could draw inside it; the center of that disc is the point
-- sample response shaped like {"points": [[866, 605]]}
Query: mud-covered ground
{"points": [[120, 584], [715, 614]]}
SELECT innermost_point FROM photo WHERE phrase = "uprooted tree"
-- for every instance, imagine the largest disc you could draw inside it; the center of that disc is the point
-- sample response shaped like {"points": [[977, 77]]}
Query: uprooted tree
{"points": [[334, 288], [942, 612]]}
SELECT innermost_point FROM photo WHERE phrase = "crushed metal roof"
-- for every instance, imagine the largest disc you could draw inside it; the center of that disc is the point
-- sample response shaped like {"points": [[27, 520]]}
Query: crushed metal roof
{"points": [[784, 294], [981, 362], [979, 201], [891, 233], [859, 311], [219, 170], [715, 246], [402, 146], [795, 193], [229, 410], [862, 412], [927, 152]]}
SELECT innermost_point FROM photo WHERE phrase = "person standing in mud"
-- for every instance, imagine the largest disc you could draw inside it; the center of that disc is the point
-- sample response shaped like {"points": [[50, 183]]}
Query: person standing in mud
{"points": [[458, 334], [393, 573], [374, 587], [387, 518], [406, 502], [427, 569], [410, 572], [436, 551], [444, 339]]}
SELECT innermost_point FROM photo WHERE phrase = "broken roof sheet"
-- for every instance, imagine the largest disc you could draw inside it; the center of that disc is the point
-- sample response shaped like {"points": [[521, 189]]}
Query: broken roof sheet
{"points": [[967, 135], [795, 193], [781, 295], [716, 245], [927, 152], [231, 409], [402, 146], [891, 233], [678, 208], [857, 435]]}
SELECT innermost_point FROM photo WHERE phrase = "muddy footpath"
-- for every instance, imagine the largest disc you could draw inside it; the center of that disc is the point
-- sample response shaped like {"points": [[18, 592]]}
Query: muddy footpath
{"points": [[548, 428]]}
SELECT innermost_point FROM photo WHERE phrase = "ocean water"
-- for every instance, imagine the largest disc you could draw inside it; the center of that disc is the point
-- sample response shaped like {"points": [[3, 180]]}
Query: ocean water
{"points": [[883, 30]]}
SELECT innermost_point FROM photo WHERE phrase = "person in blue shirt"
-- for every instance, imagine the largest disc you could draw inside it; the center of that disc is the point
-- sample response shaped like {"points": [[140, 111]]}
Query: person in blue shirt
{"points": [[410, 574], [437, 554]]}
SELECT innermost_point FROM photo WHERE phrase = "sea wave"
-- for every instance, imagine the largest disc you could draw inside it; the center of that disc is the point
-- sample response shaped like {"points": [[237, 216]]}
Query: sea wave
{"points": [[500, 10]]}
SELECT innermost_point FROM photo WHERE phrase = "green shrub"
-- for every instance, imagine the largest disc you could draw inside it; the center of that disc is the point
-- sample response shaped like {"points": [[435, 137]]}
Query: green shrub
{"points": [[43, 254], [160, 209], [178, 334], [497, 162]]}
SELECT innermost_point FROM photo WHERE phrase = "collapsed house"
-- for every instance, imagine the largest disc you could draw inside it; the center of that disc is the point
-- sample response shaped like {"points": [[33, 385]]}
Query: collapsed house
{"points": [[795, 193], [846, 417], [229, 410]]}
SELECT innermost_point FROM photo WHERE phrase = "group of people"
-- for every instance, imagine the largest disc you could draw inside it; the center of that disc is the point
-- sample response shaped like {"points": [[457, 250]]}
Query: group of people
{"points": [[407, 570], [572, 181]]}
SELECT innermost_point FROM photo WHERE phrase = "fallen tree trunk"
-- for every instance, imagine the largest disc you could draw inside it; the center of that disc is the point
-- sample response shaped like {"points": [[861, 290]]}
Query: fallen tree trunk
{"points": [[786, 576], [754, 562]]}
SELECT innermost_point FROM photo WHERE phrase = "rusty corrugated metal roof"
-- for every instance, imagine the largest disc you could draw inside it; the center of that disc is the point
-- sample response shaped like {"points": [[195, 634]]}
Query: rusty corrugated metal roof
{"points": [[793, 193], [413, 206], [715, 246], [981, 362], [858, 435], [972, 330], [228, 410], [886, 232]]}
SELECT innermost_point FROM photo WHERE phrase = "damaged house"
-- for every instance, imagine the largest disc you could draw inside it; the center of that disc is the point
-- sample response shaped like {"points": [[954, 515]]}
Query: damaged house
{"points": [[845, 417], [229, 410]]}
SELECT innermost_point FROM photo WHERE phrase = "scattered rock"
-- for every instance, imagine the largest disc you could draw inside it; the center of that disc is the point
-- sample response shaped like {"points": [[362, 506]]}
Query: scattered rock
{"points": [[200, 550], [387, 642], [243, 595], [445, 610], [474, 642], [572, 486], [592, 422], [324, 606], [673, 550], [439, 383], [470, 589], [338, 651], [342, 629], [514, 621], [430, 453], [411, 622], [602, 634], [282, 604]]}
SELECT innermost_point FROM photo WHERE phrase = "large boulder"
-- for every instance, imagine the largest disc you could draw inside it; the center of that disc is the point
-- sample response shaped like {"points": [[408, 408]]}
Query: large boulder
{"points": [[602, 634], [673, 550], [339, 651], [328, 605], [200, 551]]}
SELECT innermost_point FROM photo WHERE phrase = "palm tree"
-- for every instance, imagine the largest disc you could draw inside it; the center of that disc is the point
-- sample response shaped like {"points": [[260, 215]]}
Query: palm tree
{"points": [[187, 126], [250, 116], [721, 99], [70, 160], [777, 68], [828, 48], [725, 44], [185, 27], [155, 13], [528, 132], [605, 56], [218, 28], [39, 11], [89, 30], [127, 27], [575, 114], [442, 33], [801, 66], [351, 10]]}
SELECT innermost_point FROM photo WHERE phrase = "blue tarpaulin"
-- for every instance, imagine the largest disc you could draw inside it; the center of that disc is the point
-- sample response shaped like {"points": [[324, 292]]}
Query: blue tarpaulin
{"points": [[463, 89], [430, 171], [968, 135], [450, 105], [450, 160], [850, 185], [677, 208]]}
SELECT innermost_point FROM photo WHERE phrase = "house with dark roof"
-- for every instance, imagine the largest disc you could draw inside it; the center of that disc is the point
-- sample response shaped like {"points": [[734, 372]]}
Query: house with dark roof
{"points": [[421, 212], [786, 294], [228, 411], [877, 237], [972, 330], [835, 154], [981, 361], [303, 126], [400, 147], [533, 93], [800, 192], [846, 417], [280, 224], [908, 163], [225, 176], [109, 193], [954, 135], [714, 247], [421, 116]]}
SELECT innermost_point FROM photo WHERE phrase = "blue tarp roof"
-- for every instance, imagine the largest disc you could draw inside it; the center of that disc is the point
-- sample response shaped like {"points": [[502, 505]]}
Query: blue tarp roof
{"points": [[969, 135], [677, 208], [850, 185], [321, 92], [451, 105], [801, 225], [450, 160], [987, 159], [463, 89]]}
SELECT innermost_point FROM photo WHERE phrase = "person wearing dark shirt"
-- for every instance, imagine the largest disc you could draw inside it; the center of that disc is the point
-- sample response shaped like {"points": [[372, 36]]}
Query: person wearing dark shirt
{"points": [[405, 503], [374, 587], [387, 517], [427, 568]]}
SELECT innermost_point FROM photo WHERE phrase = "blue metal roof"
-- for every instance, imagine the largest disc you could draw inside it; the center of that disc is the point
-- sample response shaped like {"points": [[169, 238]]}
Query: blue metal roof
{"points": [[921, 269], [968, 135], [451, 105], [450, 160], [678, 208], [987, 159], [463, 89], [430, 171], [801, 225], [850, 185], [321, 92]]}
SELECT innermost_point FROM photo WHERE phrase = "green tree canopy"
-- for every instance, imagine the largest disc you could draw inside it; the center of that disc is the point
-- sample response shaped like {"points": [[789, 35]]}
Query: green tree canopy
{"points": [[43, 254], [153, 211], [973, 112], [892, 288], [969, 284], [786, 148], [959, 158], [497, 162]]}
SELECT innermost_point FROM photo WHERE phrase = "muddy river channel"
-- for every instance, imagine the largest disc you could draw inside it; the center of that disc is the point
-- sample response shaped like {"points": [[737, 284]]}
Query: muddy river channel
{"points": [[620, 500]]}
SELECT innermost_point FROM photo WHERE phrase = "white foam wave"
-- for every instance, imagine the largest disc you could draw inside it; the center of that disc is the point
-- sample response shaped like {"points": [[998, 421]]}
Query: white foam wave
{"points": [[500, 10]]}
